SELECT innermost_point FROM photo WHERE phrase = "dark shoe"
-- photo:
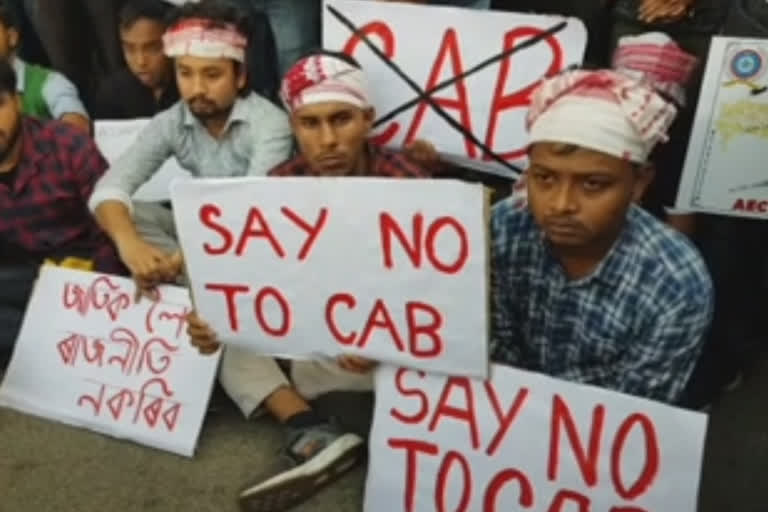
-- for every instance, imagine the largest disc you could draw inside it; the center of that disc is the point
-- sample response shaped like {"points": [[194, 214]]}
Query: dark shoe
{"points": [[314, 458]]}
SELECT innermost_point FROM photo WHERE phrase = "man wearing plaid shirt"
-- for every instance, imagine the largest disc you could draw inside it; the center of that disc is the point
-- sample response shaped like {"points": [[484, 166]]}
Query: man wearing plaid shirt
{"points": [[587, 286], [47, 172]]}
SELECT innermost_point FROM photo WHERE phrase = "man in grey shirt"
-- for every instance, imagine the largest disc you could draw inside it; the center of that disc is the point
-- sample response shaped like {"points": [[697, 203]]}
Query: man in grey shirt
{"points": [[218, 129]]}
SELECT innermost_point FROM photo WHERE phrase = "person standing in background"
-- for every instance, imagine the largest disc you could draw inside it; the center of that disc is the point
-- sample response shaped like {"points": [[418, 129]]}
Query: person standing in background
{"points": [[147, 85]]}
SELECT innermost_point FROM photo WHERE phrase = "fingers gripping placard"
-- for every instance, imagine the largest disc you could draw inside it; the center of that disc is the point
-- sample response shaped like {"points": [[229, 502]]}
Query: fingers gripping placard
{"points": [[392, 270]]}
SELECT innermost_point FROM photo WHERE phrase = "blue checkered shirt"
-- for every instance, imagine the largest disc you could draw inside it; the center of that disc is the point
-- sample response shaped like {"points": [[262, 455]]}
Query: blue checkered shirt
{"points": [[635, 325]]}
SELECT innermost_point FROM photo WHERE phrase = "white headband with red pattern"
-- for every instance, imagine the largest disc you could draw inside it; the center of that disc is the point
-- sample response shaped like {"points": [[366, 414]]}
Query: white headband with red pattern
{"points": [[323, 78], [200, 38]]}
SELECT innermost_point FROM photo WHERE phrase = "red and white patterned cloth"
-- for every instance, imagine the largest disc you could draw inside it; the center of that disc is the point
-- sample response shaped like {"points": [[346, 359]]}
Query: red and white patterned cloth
{"points": [[321, 78], [655, 58], [600, 110], [198, 37]]}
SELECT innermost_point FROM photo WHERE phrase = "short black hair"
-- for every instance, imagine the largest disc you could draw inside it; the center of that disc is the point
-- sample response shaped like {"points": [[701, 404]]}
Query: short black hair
{"points": [[218, 12], [7, 77], [7, 15], [135, 10]]}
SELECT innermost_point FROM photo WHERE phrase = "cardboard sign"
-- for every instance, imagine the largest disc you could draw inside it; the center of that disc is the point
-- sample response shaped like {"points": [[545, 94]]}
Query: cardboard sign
{"points": [[115, 137], [391, 270], [459, 78], [527, 442], [725, 169], [89, 356]]}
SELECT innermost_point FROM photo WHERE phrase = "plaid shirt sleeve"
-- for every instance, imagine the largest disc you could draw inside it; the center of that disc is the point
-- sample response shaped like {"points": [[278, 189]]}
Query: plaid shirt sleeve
{"points": [[503, 330], [88, 164], [659, 366]]}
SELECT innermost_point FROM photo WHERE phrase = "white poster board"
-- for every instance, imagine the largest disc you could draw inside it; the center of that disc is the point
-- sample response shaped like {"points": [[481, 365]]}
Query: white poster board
{"points": [[424, 48], [90, 357], [392, 270], [115, 137], [525, 441], [725, 171]]}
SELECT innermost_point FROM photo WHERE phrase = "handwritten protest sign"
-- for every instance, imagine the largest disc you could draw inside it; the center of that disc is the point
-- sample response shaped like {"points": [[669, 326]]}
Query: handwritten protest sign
{"points": [[524, 441], [459, 78], [725, 168], [115, 137], [89, 356], [393, 270]]}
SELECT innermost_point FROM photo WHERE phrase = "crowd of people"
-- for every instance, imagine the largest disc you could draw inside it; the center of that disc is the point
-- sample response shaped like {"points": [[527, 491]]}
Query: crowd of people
{"points": [[596, 278]]}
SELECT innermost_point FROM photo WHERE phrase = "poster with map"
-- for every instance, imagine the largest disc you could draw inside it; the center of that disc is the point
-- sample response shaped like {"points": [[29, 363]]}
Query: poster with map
{"points": [[726, 170]]}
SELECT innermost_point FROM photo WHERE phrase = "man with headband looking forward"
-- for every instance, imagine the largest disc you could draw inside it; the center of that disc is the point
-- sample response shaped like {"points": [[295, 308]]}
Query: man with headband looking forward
{"points": [[587, 286], [219, 129], [327, 96]]}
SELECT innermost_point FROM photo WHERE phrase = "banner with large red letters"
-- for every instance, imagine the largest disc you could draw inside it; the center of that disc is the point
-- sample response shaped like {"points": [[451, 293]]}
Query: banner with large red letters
{"points": [[526, 442], [91, 356], [458, 78], [392, 270]]}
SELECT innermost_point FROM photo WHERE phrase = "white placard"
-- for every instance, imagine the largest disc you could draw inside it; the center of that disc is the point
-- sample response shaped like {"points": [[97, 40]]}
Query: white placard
{"points": [[525, 441], [89, 356], [392, 270], [115, 137], [725, 168], [433, 44]]}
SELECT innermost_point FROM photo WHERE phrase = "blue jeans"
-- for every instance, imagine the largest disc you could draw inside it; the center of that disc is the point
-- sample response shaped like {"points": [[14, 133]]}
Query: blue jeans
{"points": [[16, 282], [295, 25]]}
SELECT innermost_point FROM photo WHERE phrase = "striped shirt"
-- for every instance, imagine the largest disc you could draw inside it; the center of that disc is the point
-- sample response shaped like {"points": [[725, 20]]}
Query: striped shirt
{"points": [[635, 325]]}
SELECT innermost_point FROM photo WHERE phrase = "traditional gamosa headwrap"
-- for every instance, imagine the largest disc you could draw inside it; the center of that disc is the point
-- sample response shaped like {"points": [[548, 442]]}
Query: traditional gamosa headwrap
{"points": [[600, 110], [199, 37], [655, 58], [320, 78]]}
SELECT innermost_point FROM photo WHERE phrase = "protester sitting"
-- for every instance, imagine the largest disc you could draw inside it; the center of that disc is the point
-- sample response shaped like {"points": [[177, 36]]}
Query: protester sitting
{"points": [[332, 118], [220, 129], [587, 286], [148, 85], [47, 172], [44, 93]]}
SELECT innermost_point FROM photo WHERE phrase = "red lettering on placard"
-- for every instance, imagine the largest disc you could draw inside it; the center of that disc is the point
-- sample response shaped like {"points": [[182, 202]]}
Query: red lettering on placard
{"points": [[652, 456], [412, 448], [388, 226], [285, 311], [312, 230], [413, 245], [751, 205], [410, 392], [563, 497], [384, 32], [463, 256], [381, 319], [256, 226], [505, 420], [449, 48], [349, 301], [207, 214], [430, 330], [466, 415], [521, 98], [442, 481], [498, 483], [229, 290], [586, 459]]}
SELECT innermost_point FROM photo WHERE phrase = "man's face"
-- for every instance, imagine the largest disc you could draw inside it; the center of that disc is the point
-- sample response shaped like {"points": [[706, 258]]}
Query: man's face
{"points": [[209, 86], [10, 123], [9, 40], [580, 197], [143, 50], [332, 136]]}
